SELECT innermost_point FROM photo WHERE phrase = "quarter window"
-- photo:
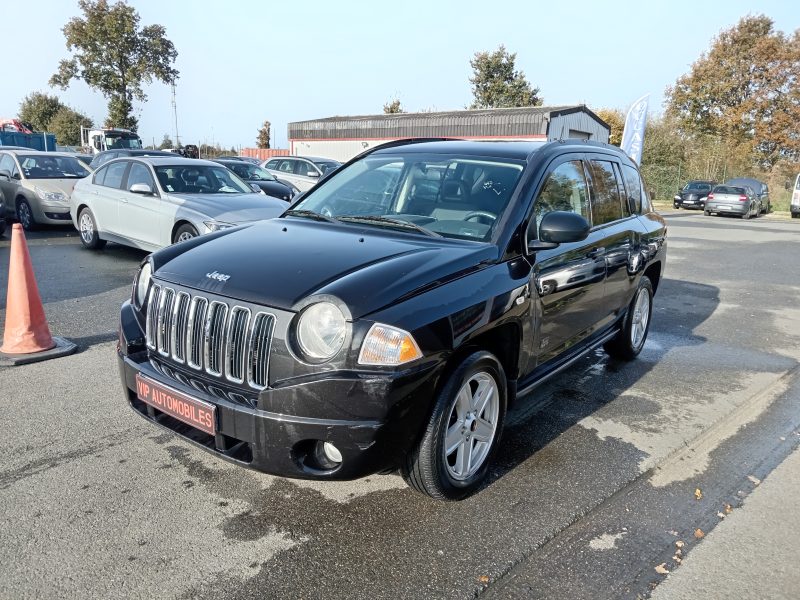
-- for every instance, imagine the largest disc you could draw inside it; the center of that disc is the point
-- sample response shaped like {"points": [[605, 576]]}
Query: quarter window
{"points": [[565, 190], [633, 186], [606, 199]]}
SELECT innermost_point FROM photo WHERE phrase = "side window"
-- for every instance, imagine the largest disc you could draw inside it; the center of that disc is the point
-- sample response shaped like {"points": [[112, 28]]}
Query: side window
{"points": [[626, 206], [646, 206], [606, 199], [139, 173], [273, 164], [302, 167], [564, 189], [115, 174], [99, 176], [7, 164], [286, 166], [634, 187]]}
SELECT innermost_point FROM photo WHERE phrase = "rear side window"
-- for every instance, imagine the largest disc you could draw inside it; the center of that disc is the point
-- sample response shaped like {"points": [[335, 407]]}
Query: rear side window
{"points": [[633, 186], [564, 189], [273, 164], [114, 174], [606, 197]]}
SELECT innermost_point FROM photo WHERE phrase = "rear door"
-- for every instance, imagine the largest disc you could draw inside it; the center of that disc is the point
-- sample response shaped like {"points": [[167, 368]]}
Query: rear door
{"points": [[614, 222], [140, 214], [8, 184], [106, 195], [569, 279]]}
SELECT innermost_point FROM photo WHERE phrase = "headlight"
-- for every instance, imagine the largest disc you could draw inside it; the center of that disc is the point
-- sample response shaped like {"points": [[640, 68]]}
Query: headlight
{"points": [[217, 225], [388, 346], [142, 285], [321, 331], [49, 196], [677, 197]]}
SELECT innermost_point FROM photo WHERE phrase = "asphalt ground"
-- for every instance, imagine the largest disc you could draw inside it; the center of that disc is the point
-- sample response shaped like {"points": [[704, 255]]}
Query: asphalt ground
{"points": [[97, 503]]}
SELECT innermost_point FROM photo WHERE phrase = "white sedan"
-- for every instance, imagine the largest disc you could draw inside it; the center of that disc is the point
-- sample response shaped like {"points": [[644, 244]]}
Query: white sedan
{"points": [[152, 202]]}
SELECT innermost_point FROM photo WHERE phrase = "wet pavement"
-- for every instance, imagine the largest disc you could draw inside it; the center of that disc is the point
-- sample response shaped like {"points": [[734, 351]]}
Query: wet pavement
{"points": [[595, 471]]}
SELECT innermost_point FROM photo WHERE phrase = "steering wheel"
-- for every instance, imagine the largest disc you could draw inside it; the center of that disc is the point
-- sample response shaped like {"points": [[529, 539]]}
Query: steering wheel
{"points": [[480, 215]]}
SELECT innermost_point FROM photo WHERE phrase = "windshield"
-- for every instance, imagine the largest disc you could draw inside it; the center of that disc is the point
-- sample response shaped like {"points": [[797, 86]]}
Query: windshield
{"points": [[127, 142], [455, 197], [51, 167], [327, 166], [250, 172], [697, 187], [200, 179], [728, 189]]}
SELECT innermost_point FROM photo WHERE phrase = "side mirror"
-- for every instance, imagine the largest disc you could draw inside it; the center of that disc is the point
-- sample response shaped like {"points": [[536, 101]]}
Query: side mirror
{"points": [[255, 187], [560, 227], [313, 174], [141, 188]]}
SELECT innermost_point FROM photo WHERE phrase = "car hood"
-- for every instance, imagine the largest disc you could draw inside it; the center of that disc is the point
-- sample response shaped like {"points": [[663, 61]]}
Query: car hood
{"points": [[232, 208], [280, 263], [65, 186]]}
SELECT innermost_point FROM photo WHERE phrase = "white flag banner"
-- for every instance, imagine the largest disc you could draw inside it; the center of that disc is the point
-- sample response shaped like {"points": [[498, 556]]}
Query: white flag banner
{"points": [[633, 133]]}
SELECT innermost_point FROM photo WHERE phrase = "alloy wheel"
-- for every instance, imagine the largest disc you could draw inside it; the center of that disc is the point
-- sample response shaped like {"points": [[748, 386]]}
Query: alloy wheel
{"points": [[24, 214], [472, 426], [185, 235], [641, 316], [87, 228]]}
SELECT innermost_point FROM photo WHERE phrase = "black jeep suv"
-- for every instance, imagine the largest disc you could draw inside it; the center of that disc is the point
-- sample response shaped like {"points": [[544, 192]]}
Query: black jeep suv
{"points": [[390, 317]]}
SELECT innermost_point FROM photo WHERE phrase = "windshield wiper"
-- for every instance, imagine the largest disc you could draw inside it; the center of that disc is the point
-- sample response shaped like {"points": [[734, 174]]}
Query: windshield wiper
{"points": [[388, 220], [308, 214]]}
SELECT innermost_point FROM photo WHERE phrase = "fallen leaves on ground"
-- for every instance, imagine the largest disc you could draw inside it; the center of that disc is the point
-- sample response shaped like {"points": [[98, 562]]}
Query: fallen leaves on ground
{"points": [[720, 515], [698, 533], [662, 569], [754, 480], [698, 494], [728, 509], [679, 543], [483, 579], [677, 559]]}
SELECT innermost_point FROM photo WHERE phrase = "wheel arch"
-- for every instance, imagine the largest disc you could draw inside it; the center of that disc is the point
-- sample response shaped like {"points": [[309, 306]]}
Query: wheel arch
{"points": [[178, 224], [653, 273]]}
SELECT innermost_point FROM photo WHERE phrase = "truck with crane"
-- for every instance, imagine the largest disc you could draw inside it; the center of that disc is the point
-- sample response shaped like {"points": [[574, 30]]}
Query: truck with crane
{"points": [[96, 140]]}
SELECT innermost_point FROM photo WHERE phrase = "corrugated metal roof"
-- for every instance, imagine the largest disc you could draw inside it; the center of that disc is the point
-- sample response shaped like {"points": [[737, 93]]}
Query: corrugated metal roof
{"points": [[498, 122]]}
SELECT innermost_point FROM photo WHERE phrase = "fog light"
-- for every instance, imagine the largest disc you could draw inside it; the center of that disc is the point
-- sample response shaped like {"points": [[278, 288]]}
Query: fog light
{"points": [[331, 452]]}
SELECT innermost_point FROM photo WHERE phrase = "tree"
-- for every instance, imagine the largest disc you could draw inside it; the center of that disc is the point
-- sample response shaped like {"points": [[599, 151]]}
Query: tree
{"points": [[496, 84], [744, 91], [262, 141], [115, 56], [166, 143], [616, 120], [393, 107], [66, 124], [38, 109]]}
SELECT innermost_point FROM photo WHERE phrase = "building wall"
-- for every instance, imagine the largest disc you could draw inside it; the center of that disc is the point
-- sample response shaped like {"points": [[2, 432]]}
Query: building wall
{"points": [[576, 125], [345, 149], [264, 153]]}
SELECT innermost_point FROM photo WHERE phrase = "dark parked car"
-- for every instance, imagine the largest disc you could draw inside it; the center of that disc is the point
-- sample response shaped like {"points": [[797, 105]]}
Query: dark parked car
{"points": [[388, 319], [760, 188], [253, 174], [693, 194], [102, 158], [2, 214], [247, 159]]}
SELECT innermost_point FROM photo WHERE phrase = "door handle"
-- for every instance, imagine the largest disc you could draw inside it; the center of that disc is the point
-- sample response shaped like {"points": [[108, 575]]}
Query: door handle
{"points": [[124, 200], [596, 253]]}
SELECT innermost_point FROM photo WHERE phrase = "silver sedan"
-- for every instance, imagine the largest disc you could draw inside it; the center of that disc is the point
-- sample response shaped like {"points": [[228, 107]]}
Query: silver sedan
{"points": [[733, 200], [151, 202]]}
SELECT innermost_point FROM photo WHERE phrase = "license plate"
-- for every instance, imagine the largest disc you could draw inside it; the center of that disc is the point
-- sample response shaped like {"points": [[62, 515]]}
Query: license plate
{"points": [[688, 201], [196, 413], [723, 207]]}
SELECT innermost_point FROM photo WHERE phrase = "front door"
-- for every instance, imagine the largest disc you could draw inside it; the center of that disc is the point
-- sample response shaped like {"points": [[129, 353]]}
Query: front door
{"points": [[141, 213], [569, 279]]}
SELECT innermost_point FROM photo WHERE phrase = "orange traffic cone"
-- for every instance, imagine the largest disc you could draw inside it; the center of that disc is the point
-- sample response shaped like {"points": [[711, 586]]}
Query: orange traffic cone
{"points": [[27, 337]]}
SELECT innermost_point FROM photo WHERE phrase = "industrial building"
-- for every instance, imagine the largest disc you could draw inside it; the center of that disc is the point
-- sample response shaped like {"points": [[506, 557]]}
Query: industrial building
{"points": [[341, 138]]}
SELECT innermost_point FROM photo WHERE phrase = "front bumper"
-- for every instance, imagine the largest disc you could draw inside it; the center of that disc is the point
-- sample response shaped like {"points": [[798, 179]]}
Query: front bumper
{"points": [[277, 435], [51, 213]]}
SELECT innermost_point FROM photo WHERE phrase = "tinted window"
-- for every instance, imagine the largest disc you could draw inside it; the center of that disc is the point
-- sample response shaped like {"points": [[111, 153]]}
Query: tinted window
{"points": [[606, 199], [273, 164], [634, 187], [646, 206], [303, 168], [564, 189], [114, 174], [327, 165], [140, 174], [728, 189], [696, 186]]}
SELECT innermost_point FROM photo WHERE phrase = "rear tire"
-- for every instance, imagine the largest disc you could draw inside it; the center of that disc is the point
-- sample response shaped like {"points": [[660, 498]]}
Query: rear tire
{"points": [[87, 226], [185, 232], [630, 340], [465, 426], [746, 216], [25, 215]]}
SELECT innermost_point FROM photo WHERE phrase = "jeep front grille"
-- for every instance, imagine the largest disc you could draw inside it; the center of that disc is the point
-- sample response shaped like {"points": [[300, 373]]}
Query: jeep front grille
{"points": [[210, 336]]}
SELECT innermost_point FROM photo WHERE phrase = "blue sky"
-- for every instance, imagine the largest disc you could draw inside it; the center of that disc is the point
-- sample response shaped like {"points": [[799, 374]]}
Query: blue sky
{"points": [[243, 61]]}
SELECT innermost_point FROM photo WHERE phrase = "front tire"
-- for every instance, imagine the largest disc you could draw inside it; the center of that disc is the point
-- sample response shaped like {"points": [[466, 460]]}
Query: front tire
{"points": [[460, 439], [630, 340], [184, 232], [87, 226], [25, 215]]}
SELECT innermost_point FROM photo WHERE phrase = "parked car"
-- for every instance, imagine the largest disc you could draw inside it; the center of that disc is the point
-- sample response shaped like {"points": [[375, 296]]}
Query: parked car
{"points": [[389, 318], [102, 158], [760, 189], [693, 194], [303, 171], [247, 159], [37, 185], [152, 202], [2, 215], [795, 203], [262, 178], [85, 159], [733, 200]]}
